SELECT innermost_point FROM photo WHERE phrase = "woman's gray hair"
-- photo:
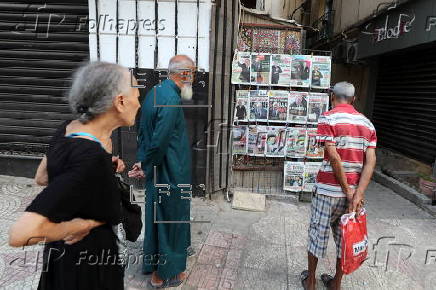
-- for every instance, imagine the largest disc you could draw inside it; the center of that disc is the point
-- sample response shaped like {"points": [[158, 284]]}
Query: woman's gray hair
{"points": [[94, 87]]}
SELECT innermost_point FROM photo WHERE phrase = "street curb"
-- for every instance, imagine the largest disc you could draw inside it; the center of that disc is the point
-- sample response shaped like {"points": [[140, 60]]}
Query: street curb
{"points": [[405, 191]]}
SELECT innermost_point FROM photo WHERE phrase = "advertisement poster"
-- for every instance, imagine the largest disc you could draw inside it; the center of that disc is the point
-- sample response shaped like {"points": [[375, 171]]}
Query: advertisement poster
{"points": [[260, 68], [314, 150], [297, 107], [321, 72], [318, 104], [242, 105], [278, 106], [310, 172], [275, 141], [300, 71], [241, 65], [239, 134], [259, 105], [256, 140], [296, 142], [281, 70], [293, 176]]}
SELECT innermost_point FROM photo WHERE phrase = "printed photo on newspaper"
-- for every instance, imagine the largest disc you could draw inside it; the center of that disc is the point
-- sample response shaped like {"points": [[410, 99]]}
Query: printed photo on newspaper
{"points": [[242, 105], [239, 135], [241, 65], [314, 150], [318, 104], [296, 142], [293, 176], [275, 141], [260, 69], [256, 140], [300, 71], [297, 112], [321, 72], [310, 172], [278, 106], [281, 70], [259, 105]]}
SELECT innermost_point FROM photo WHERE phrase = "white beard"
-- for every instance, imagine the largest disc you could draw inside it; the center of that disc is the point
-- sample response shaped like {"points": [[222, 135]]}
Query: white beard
{"points": [[186, 92]]}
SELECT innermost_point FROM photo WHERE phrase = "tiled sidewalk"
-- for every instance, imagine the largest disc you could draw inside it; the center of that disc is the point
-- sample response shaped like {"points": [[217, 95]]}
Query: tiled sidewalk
{"points": [[259, 250]]}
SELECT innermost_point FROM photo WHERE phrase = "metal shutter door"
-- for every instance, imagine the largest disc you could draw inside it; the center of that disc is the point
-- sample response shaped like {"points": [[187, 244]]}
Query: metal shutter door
{"points": [[40, 46], [405, 104]]}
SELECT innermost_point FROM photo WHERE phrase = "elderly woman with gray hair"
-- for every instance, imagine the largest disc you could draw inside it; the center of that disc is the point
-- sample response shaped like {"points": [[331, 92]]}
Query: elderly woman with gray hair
{"points": [[75, 213]]}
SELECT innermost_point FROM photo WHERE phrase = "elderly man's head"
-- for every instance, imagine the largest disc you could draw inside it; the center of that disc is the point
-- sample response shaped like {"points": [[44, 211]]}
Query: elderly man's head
{"points": [[181, 70], [104, 89], [343, 93]]}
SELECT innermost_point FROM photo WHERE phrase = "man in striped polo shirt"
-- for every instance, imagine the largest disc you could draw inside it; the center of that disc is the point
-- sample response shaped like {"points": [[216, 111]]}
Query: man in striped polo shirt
{"points": [[350, 140]]}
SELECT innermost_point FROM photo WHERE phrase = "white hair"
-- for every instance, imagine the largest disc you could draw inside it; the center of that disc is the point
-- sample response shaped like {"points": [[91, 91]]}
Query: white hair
{"points": [[178, 63], [344, 90]]}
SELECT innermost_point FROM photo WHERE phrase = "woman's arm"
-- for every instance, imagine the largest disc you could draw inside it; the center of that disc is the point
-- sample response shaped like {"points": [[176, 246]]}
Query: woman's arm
{"points": [[41, 176], [32, 228]]}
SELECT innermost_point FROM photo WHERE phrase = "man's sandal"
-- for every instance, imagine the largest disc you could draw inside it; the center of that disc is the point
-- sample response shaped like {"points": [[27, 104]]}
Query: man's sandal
{"points": [[326, 279], [303, 277], [172, 282]]}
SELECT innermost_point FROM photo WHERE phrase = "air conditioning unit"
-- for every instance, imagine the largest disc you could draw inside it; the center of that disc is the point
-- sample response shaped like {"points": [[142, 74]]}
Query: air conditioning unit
{"points": [[339, 53], [352, 50]]}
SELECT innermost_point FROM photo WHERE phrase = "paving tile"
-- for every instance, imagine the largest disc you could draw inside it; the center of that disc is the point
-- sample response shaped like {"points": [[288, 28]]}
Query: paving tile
{"points": [[211, 255], [219, 239]]}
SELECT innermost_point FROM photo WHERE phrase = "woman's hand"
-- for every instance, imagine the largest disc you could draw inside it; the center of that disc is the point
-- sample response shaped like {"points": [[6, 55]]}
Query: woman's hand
{"points": [[118, 164], [82, 228]]}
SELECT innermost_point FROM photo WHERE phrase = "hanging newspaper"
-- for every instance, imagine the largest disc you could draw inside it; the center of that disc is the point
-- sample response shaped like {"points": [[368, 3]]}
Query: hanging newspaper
{"points": [[256, 140], [300, 71], [314, 150], [280, 70], [296, 142], [259, 105], [293, 176], [297, 107], [260, 68], [241, 68], [321, 72], [278, 106], [310, 172], [318, 104], [242, 105], [275, 141], [239, 134]]}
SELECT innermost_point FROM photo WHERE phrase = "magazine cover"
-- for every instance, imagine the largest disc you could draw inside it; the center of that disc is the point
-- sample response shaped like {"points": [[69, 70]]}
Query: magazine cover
{"points": [[296, 142], [321, 72], [313, 151], [318, 104], [260, 68], [239, 134], [293, 176], [300, 71], [310, 172], [259, 105], [280, 70], [278, 106], [256, 140], [275, 141], [241, 68], [297, 112], [242, 105]]}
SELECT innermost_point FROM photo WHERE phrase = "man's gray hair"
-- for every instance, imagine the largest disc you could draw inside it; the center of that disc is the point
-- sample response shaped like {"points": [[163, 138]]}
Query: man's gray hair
{"points": [[94, 87], [178, 63], [344, 90]]}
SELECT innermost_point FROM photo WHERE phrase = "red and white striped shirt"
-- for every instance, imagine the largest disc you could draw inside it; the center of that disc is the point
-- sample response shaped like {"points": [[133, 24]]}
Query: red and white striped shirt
{"points": [[352, 133]]}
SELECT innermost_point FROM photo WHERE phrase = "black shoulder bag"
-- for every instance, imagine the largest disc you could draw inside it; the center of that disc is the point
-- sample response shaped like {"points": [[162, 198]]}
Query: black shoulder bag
{"points": [[131, 214]]}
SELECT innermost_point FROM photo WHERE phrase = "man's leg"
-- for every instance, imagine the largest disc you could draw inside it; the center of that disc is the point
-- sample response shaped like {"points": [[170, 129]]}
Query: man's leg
{"points": [[312, 262]]}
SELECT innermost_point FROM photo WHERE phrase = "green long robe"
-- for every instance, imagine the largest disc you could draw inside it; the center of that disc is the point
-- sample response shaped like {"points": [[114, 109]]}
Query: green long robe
{"points": [[163, 143]]}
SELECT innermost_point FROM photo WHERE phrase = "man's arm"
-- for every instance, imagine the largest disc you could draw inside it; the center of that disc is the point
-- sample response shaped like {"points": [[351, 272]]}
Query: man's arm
{"points": [[338, 169], [365, 179]]}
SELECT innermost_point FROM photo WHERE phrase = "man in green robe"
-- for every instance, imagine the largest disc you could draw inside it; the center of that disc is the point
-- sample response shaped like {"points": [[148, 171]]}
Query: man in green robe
{"points": [[165, 158]]}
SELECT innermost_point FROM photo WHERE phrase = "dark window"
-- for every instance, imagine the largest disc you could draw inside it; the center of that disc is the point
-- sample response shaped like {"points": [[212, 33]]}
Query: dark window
{"points": [[249, 3]]}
